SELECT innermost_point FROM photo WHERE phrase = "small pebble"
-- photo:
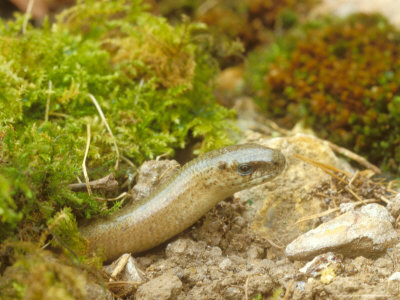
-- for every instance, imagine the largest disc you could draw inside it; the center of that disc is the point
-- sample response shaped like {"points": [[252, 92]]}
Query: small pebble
{"points": [[164, 287]]}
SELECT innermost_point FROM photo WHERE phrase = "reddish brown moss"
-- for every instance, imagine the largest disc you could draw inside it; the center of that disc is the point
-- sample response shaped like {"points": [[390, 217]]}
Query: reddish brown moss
{"points": [[343, 79]]}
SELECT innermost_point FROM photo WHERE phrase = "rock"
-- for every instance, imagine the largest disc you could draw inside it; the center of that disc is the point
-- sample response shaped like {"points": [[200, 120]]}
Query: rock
{"points": [[377, 211], [225, 265], [95, 291], [394, 206], [163, 287], [124, 275], [274, 207], [345, 207], [176, 247], [352, 234], [319, 263], [152, 174], [395, 277], [124, 269]]}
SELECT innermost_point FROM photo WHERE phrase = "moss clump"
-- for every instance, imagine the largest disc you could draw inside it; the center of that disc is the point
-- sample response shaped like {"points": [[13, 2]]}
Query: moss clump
{"points": [[342, 78], [153, 82], [38, 274]]}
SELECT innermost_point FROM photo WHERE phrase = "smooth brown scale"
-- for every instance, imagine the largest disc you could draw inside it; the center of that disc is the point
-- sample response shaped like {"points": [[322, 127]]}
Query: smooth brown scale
{"points": [[184, 199]]}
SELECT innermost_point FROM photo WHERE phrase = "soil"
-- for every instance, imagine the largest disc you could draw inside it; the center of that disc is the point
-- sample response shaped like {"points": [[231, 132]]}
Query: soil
{"points": [[237, 250]]}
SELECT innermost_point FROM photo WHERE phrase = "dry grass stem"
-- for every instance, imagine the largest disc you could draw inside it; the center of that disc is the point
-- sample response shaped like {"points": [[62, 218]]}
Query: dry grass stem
{"points": [[89, 189], [103, 118], [128, 162], [27, 15], [397, 221], [46, 115], [348, 189], [274, 244], [354, 177], [384, 199], [361, 160], [166, 171], [122, 196], [162, 156], [58, 115], [321, 214], [326, 168], [332, 210]]}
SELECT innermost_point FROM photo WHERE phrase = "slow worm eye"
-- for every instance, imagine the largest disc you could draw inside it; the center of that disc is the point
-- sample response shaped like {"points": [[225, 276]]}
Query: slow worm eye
{"points": [[245, 169]]}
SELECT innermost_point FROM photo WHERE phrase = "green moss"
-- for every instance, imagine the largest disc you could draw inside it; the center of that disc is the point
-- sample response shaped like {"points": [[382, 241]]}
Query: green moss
{"points": [[153, 82], [38, 274], [341, 76]]}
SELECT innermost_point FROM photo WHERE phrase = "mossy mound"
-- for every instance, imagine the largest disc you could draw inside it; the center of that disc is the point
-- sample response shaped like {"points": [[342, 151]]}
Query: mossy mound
{"points": [[342, 77], [253, 22], [153, 82]]}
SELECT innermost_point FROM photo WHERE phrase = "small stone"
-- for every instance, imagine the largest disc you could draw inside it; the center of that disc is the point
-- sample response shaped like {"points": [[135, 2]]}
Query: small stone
{"points": [[226, 264], [377, 211], [395, 277], [95, 291], [319, 263], [163, 287], [351, 234], [152, 174], [328, 275], [125, 269], [132, 272], [345, 207], [255, 252], [232, 293], [394, 206], [215, 252], [176, 248]]}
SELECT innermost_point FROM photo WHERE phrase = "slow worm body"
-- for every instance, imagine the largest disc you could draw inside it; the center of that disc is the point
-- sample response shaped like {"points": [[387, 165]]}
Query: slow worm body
{"points": [[184, 199]]}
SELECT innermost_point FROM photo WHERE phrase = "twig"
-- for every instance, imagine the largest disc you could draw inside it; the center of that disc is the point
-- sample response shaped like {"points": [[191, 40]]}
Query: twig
{"points": [[27, 15], [361, 160], [103, 118], [46, 116], [107, 184], [89, 189]]}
